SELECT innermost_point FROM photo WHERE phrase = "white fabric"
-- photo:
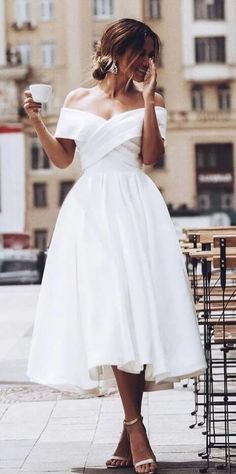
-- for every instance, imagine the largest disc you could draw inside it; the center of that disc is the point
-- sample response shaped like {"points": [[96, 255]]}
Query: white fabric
{"points": [[115, 289]]}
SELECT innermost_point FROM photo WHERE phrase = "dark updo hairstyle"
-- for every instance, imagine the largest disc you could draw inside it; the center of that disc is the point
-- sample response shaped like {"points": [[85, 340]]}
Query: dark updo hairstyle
{"points": [[116, 39]]}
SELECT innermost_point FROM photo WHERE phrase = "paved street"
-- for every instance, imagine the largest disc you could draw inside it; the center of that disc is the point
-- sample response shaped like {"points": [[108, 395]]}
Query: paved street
{"points": [[44, 430]]}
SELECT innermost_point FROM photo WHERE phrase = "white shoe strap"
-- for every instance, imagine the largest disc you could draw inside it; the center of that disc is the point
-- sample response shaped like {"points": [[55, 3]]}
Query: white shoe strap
{"points": [[118, 458], [145, 461]]}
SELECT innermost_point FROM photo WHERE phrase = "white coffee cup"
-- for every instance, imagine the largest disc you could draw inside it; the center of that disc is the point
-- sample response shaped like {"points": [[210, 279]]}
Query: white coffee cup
{"points": [[40, 92]]}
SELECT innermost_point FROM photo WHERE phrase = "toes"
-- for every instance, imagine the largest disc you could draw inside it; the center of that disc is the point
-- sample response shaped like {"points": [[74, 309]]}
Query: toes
{"points": [[118, 463], [152, 467], [146, 469], [111, 462], [140, 469], [123, 463]]}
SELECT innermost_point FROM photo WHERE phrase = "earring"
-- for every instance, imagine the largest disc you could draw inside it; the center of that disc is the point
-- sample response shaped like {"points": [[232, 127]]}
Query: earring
{"points": [[113, 69]]}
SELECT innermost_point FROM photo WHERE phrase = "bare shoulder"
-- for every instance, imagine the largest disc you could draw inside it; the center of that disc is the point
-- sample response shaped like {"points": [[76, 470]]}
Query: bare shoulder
{"points": [[73, 97], [159, 100]]}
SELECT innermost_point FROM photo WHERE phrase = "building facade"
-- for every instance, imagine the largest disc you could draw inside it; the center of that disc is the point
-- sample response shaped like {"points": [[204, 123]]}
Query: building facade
{"points": [[12, 148], [54, 41], [12, 179]]}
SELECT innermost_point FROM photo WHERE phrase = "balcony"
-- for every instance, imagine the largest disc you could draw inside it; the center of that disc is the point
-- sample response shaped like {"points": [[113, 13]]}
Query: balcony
{"points": [[24, 25], [210, 72], [14, 69], [186, 119], [9, 73]]}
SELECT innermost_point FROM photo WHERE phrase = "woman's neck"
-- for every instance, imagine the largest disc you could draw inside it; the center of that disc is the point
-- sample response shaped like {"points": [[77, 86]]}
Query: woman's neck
{"points": [[116, 85]]}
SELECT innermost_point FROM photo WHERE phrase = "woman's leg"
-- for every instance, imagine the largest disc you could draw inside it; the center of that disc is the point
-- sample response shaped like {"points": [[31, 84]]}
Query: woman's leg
{"points": [[123, 448], [131, 388], [129, 385]]}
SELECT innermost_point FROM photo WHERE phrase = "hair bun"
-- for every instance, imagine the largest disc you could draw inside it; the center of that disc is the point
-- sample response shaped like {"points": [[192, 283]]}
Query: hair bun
{"points": [[101, 66]]}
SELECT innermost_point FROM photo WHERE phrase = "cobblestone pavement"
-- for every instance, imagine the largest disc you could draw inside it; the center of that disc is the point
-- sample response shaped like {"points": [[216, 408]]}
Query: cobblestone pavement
{"points": [[45, 430], [29, 392], [58, 434]]}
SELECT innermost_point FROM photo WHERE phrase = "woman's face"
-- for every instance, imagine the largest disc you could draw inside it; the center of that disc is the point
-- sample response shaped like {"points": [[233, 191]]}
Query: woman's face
{"points": [[139, 67]]}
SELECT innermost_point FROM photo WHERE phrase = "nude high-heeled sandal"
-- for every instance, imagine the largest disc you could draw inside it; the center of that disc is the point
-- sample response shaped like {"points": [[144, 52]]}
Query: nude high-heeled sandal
{"points": [[128, 461], [143, 461]]}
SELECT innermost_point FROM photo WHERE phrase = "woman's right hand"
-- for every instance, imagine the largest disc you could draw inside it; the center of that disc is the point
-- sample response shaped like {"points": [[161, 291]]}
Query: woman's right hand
{"points": [[32, 108]]}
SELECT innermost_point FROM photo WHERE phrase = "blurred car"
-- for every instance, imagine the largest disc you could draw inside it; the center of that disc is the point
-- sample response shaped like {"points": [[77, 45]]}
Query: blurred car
{"points": [[21, 266]]}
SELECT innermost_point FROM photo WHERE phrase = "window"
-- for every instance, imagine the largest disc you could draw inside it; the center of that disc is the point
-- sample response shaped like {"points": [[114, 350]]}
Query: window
{"points": [[227, 201], [215, 176], [39, 194], [40, 239], [209, 9], [218, 200], [197, 97], [65, 187], [160, 162], [154, 9], [39, 159], [48, 54], [13, 56], [215, 156], [22, 11], [210, 49], [160, 56], [94, 45], [24, 52], [204, 202], [103, 8], [224, 97], [46, 9]]}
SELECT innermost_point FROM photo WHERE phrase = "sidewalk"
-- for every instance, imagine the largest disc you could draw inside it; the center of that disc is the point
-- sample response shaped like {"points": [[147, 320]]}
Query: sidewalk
{"points": [[42, 430]]}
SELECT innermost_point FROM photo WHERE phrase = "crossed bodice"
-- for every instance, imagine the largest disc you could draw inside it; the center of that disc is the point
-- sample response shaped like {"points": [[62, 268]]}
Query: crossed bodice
{"points": [[107, 144]]}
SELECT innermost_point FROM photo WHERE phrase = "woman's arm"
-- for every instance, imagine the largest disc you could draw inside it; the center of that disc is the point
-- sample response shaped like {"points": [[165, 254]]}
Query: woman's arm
{"points": [[59, 151], [152, 146], [152, 143]]}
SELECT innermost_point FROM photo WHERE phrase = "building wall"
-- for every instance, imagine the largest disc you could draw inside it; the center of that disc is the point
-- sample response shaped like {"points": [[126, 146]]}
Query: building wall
{"points": [[12, 180], [2, 34], [74, 29], [186, 127], [69, 29]]}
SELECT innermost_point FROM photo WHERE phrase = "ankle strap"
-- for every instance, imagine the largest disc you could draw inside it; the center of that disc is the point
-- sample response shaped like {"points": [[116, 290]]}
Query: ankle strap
{"points": [[128, 423]]}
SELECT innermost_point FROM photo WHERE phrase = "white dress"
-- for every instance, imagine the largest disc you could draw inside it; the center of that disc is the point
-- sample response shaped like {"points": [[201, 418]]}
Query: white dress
{"points": [[115, 289]]}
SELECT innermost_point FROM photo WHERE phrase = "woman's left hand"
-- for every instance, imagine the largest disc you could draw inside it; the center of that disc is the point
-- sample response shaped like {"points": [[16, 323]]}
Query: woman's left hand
{"points": [[149, 83]]}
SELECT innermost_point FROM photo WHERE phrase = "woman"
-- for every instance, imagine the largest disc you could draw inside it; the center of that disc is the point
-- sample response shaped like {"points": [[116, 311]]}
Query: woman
{"points": [[115, 299]]}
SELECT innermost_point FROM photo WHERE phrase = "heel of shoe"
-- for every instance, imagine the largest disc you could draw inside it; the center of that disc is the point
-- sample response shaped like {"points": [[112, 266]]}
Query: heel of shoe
{"points": [[143, 461]]}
